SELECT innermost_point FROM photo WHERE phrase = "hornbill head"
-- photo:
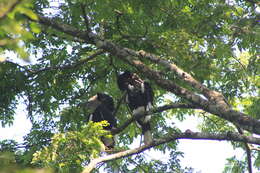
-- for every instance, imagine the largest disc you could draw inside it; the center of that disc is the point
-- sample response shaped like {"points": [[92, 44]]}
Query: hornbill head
{"points": [[127, 80], [100, 99]]}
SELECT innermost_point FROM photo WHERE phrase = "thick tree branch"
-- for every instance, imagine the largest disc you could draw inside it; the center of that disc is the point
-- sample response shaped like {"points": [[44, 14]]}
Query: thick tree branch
{"points": [[172, 137], [210, 94], [217, 107]]}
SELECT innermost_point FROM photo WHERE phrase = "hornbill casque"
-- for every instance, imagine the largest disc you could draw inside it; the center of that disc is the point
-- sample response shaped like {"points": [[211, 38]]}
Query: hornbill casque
{"points": [[102, 107], [139, 97]]}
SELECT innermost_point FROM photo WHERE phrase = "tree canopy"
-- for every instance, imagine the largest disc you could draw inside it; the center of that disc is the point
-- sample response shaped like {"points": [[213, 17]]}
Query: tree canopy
{"points": [[200, 56]]}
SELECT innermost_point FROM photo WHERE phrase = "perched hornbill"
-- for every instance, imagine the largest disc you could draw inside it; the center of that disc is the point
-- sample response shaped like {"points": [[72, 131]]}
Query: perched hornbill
{"points": [[139, 96], [102, 106]]}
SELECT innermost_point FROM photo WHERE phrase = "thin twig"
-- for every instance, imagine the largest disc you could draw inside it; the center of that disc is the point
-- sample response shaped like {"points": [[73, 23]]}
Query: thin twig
{"points": [[119, 103], [70, 66], [83, 8], [153, 111]]}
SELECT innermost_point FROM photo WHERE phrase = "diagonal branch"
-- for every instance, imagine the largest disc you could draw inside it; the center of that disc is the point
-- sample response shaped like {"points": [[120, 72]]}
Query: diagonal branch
{"points": [[220, 109], [217, 107], [64, 67], [186, 77], [229, 136], [70, 30]]}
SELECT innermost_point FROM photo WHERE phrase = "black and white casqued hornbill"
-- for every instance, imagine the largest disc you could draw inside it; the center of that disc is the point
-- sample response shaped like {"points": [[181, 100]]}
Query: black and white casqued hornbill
{"points": [[102, 107], [139, 97]]}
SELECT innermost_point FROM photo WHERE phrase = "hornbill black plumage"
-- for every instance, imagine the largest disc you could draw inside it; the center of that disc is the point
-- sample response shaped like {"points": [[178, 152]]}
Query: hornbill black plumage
{"points": [[139, 96], [102, 106]]}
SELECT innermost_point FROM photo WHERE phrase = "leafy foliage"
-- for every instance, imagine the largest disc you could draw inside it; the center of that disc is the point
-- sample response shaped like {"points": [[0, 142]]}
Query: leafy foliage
{"points": [[217, 42], [69, 151], [14, 26], [235, 165]]}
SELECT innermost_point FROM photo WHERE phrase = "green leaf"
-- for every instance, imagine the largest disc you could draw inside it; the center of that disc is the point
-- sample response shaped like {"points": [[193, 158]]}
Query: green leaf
{"points": [[35, 28]]}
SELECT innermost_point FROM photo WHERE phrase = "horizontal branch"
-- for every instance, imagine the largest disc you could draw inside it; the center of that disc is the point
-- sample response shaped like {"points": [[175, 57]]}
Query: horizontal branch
{"points": [[229, 136], [153, 111]]}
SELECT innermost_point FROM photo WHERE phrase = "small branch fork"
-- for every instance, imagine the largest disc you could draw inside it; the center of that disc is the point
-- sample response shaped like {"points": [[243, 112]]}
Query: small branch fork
{"points": [[229, 136]]}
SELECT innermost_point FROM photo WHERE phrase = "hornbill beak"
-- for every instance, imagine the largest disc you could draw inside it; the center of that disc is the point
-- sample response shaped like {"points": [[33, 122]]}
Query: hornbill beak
{"points": [[93, 103]]}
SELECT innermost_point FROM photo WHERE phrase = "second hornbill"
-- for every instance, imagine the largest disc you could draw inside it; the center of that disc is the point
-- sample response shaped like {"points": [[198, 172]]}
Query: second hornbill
{"points": [[102, 106], [139, 97]]}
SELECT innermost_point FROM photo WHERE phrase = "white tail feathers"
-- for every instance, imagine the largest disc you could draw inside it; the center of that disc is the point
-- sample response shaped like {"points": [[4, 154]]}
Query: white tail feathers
{"points": [[148, 137]]}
